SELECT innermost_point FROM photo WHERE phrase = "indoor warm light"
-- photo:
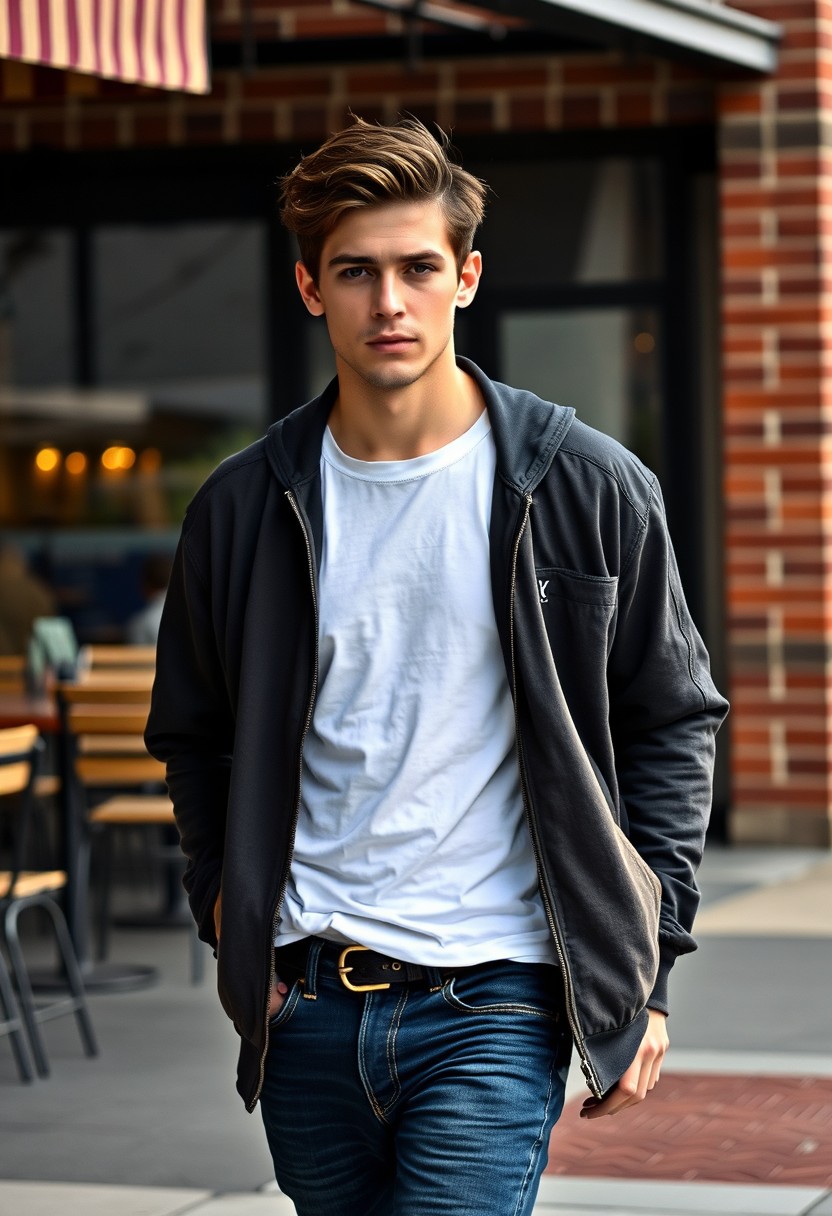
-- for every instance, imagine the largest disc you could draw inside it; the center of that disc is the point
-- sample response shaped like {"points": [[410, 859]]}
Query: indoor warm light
{"points": [[48, 459], [644, 343], [150, 460], [117, 458], [75, 463]]}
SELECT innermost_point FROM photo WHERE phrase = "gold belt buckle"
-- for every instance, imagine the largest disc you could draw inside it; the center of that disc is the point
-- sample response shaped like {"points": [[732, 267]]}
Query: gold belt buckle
{"points": [[344, 970]]}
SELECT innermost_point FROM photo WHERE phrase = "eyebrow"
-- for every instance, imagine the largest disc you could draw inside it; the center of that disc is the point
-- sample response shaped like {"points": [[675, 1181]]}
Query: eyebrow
{"points": [[357, 259]]}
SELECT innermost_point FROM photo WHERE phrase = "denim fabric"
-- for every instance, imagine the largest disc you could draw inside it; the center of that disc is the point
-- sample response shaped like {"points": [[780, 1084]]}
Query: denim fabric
{"points": [[412, 1101]]}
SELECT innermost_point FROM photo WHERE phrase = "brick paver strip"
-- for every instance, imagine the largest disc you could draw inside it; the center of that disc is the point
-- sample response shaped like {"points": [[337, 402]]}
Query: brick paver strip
{"points": [[707, 1128]]}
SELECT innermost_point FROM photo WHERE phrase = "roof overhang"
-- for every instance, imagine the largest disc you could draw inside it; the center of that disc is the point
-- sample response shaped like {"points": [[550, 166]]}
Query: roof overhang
{"points": [[701, 29]]}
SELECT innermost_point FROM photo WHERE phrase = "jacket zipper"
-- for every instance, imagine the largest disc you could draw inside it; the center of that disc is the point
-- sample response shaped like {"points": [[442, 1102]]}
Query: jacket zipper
{"points": [[307, 723], [571, 1007]]}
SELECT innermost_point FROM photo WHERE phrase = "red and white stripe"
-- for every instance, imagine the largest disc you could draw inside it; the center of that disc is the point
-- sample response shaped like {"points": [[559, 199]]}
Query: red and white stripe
{"points": [[154, 42]]}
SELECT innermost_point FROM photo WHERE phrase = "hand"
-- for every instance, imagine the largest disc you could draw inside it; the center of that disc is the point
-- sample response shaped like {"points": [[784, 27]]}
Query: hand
{"points": [[218, 915], [640, 1077], [278, 995]]}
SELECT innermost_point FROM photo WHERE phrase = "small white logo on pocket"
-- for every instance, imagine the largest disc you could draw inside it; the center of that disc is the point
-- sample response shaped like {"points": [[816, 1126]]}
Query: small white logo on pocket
{"points": [[542, 584]]}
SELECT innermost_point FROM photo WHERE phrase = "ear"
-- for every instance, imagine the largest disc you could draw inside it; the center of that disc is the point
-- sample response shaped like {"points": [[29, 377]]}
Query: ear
{"points": [[308, 290], [469, 279]]}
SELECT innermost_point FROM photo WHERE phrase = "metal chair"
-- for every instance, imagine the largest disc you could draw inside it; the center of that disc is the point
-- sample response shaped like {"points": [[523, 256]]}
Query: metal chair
{"points": [[20, 889], [125, 788]]}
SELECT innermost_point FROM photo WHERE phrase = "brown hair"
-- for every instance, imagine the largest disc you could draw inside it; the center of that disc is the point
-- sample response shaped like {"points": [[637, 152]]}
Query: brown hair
{"points": [[366, 165]]}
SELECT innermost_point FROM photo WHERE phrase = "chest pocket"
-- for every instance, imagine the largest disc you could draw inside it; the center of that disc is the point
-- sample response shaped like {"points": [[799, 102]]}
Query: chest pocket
{"points": [[579, 613]]}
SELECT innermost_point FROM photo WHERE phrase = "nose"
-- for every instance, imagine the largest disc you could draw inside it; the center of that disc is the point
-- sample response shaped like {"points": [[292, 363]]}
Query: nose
{"points": [[388, 301]]}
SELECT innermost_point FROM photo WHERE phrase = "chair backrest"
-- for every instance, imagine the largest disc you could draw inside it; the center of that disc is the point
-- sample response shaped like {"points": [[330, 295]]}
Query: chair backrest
{"points": [[117, 687], [20, 750], [123, 658], [109, 745], [13, 673], [18, 746]]}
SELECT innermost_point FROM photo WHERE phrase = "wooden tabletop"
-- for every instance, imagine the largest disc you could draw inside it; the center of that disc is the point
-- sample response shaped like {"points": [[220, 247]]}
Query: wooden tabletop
{"points": [[18, 709]]}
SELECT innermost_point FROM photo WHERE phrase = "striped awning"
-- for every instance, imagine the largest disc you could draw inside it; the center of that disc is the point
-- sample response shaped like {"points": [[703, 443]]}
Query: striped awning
{"points": [[153, 42]]}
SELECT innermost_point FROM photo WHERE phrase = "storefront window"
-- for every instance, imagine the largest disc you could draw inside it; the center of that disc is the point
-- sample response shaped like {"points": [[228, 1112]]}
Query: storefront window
{"points": [[572, 222], [132, 361], [605, 362]]}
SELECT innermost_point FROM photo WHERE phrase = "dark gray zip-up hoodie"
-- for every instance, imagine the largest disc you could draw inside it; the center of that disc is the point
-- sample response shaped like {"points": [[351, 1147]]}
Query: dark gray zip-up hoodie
{"points": [[615, 708]]}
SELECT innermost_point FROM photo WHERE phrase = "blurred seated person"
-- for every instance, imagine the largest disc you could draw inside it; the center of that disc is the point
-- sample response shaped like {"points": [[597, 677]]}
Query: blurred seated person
{"points": [[142, 629], [23, 598]]}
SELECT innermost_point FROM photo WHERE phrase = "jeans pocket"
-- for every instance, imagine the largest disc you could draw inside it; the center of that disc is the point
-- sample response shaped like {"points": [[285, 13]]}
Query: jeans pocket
{"points": [[288, 1007], [535, 989]]}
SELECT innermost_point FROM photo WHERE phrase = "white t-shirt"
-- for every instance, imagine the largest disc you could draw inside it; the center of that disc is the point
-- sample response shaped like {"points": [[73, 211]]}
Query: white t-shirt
{"points": [[411, 837]]}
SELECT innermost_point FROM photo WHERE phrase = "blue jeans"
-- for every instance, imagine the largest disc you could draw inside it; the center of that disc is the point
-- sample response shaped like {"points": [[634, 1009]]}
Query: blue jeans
{"points": [[413, 1102]]}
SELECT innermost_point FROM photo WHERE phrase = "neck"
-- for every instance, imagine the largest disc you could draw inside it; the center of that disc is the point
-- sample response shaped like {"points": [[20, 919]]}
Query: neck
{"points": [[371, 423]]}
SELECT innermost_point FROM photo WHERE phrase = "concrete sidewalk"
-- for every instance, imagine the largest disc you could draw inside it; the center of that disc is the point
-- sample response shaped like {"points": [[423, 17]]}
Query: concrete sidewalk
{"points": [[153, 1127]]}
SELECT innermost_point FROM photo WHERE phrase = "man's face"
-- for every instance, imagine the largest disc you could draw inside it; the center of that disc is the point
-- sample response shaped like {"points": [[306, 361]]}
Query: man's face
{"points": [[388, 287]]}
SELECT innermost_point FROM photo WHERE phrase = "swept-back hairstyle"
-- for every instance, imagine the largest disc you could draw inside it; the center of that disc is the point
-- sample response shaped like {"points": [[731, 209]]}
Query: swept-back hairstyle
{"points": [[366, 165]]}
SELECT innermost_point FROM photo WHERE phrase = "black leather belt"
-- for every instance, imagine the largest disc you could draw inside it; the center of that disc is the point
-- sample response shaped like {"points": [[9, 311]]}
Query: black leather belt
{"points": [[361, 969]]}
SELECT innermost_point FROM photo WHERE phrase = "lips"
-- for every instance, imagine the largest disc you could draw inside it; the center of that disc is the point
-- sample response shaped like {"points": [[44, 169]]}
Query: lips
{"points": [[391, 343]]}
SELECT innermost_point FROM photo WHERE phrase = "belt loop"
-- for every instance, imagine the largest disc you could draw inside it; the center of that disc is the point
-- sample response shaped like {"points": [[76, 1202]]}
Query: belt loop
{"points": [[316, 945], [434, 978]]}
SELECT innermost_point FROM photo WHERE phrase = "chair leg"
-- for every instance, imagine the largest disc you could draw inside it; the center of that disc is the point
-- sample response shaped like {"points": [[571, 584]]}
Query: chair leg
{"points": [[73, 976], [104, 888], [14, 1025], [28, 1009]]}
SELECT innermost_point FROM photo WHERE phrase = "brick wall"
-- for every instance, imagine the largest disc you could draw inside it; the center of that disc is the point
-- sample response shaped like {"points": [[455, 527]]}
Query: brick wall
{"points": [[776, 242], [775, 157]]}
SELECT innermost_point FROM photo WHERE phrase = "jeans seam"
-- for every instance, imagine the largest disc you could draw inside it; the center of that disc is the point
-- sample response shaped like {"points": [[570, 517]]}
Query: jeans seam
{"points": [[537, 1145], [505, 1007], [365, 1080], [392, 1034]]}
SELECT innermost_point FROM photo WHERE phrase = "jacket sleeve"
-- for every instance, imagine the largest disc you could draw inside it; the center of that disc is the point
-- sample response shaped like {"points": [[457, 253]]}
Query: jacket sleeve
{"points": [[664, 715], [190, 728]]}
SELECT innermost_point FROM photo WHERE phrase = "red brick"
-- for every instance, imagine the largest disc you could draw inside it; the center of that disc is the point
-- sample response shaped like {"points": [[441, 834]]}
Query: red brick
{"points": [[332, 26], [277, 84], [730, 102], [736, 169], [474, 115], [257, 126], [99, 132], [527, 114], [608, 73], [501, 77], [309, 122], [581, 111], [47, 133], [634, 109], [691, 105], [740, 228], [151, 130], [390, 81]]}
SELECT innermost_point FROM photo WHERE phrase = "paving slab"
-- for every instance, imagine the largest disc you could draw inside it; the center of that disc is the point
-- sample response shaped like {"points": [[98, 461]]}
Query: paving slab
{"points": [[591, 1195], [800, 906], [557, 1197], [245, 1205], [72, 1199]]}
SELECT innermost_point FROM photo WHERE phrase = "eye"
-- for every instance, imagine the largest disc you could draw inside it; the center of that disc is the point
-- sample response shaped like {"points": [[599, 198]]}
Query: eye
{"points": [[354, 272], [422, 268]]}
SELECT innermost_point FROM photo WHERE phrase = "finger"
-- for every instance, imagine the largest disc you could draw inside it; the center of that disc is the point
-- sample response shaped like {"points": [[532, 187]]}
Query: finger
{"points": [[278, 995], [655, 1071], [617, 1098]]}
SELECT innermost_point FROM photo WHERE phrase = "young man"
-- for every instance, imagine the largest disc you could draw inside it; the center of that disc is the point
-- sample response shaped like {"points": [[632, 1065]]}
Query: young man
{"points": [[438, 730]]}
